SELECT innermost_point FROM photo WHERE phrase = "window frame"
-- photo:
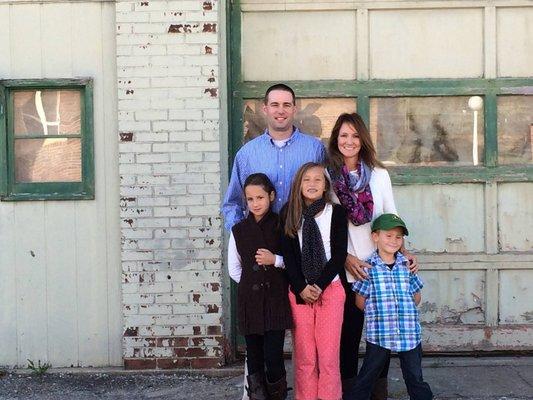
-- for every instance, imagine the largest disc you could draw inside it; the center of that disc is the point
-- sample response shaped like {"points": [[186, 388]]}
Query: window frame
{"points": [[13, 191], [363, 91]]}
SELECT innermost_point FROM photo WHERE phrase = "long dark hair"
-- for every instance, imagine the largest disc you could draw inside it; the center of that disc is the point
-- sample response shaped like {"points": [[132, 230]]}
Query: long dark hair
{"points": [[367, 153], [296, 204]]}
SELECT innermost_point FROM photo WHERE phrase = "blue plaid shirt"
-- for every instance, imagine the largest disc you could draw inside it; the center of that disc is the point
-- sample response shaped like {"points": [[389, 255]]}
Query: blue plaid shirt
{"points": [[390, 312], [278, 163]]}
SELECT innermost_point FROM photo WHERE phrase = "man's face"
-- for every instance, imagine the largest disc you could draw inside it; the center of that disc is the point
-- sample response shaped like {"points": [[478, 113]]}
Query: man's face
{"points": [[279, 111]]}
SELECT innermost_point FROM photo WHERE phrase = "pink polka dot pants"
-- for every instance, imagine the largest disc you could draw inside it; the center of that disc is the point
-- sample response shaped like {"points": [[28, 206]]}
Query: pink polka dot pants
{"points": [[316, 344]]}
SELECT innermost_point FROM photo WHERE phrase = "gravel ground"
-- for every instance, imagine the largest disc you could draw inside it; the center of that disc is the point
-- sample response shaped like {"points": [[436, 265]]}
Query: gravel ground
{"points": [[65, 386], [454, 378]]}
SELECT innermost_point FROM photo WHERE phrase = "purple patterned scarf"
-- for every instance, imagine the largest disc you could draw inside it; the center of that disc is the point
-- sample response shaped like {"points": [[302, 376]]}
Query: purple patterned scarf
{"points": [[353, 191]]}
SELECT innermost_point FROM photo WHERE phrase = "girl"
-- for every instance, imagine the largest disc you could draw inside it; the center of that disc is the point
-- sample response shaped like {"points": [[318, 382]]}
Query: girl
{"points": [[262, 301], [314, 251]]}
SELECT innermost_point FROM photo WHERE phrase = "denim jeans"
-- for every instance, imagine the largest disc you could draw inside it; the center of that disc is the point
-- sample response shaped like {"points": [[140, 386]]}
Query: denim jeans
{"points": [[375, 360]]}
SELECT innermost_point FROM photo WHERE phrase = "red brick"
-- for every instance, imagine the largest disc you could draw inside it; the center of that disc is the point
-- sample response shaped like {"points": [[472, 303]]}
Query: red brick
{"points": [[189, 352], [172, 363], [173, 342], [132, 331], [214, 330], [202, 363], [136, 363]]}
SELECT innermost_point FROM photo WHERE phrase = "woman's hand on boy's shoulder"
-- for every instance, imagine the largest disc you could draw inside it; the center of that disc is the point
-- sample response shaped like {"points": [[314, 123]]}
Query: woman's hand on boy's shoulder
{"points": [[356, 267], [412, 262]]}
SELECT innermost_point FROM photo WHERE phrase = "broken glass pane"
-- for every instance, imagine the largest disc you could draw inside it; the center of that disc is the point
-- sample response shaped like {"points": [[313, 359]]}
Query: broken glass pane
{"points": [[429, 131], [315, 116], [47, 112], [515, 129], [48, 160]]}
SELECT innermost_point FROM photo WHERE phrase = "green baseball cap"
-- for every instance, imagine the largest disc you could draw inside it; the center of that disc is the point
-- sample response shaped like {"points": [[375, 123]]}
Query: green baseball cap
{"points": [[386, 222]]}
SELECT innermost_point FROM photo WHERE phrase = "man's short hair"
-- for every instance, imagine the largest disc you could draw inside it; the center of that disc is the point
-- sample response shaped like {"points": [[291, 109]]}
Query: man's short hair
{"points": [[282, 87]]}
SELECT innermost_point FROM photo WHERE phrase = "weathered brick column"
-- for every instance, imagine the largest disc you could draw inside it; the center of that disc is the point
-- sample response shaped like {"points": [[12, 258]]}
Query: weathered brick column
{"points": [[169, 148]]}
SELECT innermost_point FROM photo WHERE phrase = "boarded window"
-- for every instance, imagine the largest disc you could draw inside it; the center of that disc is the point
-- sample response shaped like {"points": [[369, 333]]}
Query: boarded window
{"points": [[427, 130], [46, 139], [315, 116], [41, 120], [515, 129]]}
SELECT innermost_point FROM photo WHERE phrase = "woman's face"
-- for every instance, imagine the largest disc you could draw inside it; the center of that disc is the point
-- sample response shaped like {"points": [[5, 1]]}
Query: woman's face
{"points": [[349, 142]]}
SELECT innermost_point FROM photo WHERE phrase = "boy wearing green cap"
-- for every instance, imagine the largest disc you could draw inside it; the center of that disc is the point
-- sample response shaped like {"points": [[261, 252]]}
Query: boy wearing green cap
{"points": [[389, 296]]}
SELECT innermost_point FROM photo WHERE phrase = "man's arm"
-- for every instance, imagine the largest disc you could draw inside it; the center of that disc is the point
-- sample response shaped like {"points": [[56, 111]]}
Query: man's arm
{"points": [[417, 297], [233, 206]]}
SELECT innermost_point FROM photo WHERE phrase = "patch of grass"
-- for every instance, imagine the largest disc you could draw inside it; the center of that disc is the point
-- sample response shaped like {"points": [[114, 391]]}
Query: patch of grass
{"points": [[39, 369]]}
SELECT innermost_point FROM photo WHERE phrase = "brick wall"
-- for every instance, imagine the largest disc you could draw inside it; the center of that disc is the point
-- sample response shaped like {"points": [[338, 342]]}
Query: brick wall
{"points": [[167, 62]]}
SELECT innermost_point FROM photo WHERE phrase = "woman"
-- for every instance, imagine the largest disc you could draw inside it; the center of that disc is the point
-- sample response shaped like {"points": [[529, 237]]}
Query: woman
{"points": [[361, 184]]}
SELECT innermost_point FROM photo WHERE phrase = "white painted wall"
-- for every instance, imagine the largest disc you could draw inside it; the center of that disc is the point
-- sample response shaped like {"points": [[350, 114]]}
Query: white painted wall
{"points": [[60, 298]]}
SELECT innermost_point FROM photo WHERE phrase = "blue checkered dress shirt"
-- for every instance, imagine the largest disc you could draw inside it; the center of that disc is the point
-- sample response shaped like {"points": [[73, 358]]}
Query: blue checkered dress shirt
{"points": [[278, 163], [391, 315]]}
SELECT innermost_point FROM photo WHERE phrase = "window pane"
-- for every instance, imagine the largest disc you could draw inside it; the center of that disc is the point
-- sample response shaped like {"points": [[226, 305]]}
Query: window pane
{"points": [[314, 116], [47, 112], [427, 130], [515, 129], [48, 160]]}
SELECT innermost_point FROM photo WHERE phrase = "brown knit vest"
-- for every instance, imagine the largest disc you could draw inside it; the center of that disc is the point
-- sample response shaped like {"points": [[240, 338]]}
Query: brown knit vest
{"points": [[262, 302]]}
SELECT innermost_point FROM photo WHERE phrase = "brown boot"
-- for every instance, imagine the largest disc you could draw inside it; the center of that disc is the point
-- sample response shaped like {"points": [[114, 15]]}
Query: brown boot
{"points": [[380, 391], [256, 386], [277, 390]]}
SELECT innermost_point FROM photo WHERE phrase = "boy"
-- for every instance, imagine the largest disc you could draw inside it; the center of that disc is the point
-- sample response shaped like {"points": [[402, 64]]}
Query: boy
{"points": [[389, 297]]}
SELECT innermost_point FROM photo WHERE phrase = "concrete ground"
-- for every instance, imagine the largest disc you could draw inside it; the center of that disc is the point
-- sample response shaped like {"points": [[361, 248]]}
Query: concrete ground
{"points": [[490, 378]]}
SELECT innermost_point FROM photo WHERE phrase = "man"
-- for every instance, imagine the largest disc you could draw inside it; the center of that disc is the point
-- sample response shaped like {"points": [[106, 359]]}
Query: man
{"points": [[278, 153]]}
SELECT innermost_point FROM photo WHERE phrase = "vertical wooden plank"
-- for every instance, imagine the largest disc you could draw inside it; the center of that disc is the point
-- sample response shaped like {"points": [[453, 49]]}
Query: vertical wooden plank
{"points": [[60, 230], [8, 287], [30, 264], [112, 184], [491, 218], [5, 72], [362, 47], [26, 41], [5, 41], [60, 219], [30, 258], [492, 296], [489, 39], [56, 40], [91, 215]]}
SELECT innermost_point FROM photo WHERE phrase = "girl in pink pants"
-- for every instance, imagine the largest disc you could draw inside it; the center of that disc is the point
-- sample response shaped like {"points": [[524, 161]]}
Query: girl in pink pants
{"points": [[314, 249]]}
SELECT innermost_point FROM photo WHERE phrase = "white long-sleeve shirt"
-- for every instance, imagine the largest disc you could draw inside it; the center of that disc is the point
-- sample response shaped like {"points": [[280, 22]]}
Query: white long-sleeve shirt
{"points": [[235, 261], [360, 242]]}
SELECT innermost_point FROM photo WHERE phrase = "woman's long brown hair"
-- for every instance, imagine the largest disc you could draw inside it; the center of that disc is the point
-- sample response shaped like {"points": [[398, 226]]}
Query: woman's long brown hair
{"points": [[367, 153], [296, 204]]}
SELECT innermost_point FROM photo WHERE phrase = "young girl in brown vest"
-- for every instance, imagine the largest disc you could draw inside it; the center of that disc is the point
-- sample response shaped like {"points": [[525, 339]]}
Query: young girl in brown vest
{"points": [[262, 302]]}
